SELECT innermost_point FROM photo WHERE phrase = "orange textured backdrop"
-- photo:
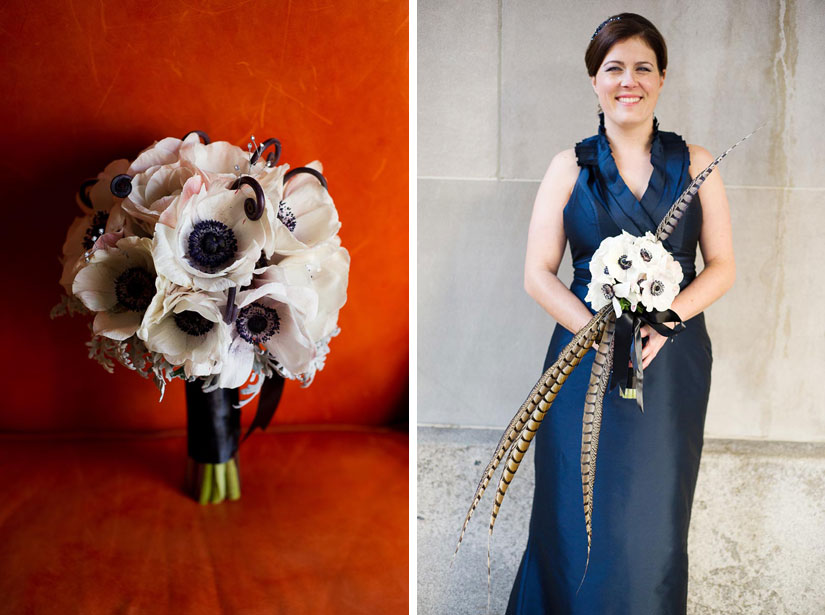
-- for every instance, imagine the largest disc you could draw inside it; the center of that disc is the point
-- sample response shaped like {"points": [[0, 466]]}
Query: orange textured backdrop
{"points": [[88, 82]]}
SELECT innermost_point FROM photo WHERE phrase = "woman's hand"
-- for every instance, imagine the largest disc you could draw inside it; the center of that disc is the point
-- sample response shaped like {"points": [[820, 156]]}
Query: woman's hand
{"points": [[654, 344]]}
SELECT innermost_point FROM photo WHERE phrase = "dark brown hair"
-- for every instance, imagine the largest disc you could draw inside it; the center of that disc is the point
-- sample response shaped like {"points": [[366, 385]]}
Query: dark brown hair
{"points": [[619, 28]]}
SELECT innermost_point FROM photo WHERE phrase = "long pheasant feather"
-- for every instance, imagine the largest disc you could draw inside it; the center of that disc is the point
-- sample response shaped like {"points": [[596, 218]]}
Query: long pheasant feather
{"points": [[543, 393], [592, 423], [553, 378], [678, 208]]}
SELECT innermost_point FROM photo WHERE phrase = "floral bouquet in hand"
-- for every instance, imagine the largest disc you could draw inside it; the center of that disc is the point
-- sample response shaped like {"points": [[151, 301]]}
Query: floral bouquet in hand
{"points": [[641, 279], [209, 263]]}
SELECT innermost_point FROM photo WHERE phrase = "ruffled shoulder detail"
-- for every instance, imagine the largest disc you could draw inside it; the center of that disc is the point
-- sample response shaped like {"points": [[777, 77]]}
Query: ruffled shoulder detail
{"points": [[673, 144], [587, 152]]}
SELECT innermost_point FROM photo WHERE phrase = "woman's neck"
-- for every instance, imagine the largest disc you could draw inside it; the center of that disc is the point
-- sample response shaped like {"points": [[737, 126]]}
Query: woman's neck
{"points": [[629, 139]]}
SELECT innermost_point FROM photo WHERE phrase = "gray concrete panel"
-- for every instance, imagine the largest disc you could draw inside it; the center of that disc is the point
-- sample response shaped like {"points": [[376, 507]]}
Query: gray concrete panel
{"points": [[458, 56], [767, 331], [757, 535], [481, 338]]}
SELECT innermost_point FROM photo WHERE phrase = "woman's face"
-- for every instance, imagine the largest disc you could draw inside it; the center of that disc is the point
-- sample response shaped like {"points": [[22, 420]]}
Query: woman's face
{"points": [[628, 82]]}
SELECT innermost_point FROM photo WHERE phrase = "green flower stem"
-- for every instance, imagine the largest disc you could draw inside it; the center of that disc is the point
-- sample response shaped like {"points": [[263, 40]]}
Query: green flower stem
{"points": [[219, 487], [233, 482], [206, 483]]}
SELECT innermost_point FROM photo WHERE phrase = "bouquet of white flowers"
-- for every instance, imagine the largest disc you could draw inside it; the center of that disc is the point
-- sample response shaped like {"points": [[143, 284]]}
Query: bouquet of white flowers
{"points": [[633, 273], [640, 278], [209, 263]]}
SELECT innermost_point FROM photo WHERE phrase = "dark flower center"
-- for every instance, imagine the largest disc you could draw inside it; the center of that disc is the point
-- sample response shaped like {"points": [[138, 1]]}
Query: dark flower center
{"points": [[193, 323], [286, 216], [607, 289], [135, 288], [212, 245], [646, 256], [606, 270], [624, 262], [257, 323], [96, 229], [656, 288]]}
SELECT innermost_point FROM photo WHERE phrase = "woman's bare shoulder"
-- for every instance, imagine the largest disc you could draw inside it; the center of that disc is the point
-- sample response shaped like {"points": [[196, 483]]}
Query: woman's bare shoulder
{"points": [[563, 169], [700, 158]]}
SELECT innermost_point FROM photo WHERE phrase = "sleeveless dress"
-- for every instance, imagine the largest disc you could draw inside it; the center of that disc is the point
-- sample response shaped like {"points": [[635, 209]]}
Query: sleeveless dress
{"points": [[647, 463]]}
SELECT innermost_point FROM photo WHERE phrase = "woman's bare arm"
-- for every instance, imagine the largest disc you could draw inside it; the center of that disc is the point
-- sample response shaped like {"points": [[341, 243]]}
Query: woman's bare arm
{"points": [[545, 245]]}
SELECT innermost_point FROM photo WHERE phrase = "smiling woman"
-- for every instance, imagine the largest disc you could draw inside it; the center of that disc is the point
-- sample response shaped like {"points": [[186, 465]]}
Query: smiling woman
{"points": [[624, 179]]}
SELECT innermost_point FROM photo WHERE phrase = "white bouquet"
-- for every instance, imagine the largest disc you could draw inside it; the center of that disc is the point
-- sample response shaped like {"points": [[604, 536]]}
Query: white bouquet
{"points": [[636, 274], [216, 265]]}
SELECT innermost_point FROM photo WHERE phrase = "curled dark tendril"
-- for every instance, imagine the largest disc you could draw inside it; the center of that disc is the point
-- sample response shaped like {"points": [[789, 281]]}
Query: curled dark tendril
{"points": [[231, 311], [273, 157], [121, 185], [83, 192], [254, 208], [204, 137], [296, 170]]}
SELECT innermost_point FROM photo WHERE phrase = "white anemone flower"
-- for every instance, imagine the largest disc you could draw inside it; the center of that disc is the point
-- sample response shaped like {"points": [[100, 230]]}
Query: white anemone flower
{"points": [[270, 318], [619, 257], [118, 284], [187, 328], [307, 214], [205, 240], [661, 286], [326, 269], [222, 162], [650, 252], [600, 292]]}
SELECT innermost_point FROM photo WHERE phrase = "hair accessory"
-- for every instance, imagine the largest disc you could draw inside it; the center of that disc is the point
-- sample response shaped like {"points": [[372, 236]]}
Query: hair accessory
{"points": [[604, 23]]}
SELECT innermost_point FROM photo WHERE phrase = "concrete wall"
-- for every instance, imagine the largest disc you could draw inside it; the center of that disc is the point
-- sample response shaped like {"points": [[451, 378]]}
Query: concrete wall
{"points": [[502, 87]]}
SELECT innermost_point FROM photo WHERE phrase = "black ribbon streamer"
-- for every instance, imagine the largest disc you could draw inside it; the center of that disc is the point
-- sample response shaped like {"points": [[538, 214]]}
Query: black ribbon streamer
{"points": [[270, 397], [213, 423], [628, 329]]}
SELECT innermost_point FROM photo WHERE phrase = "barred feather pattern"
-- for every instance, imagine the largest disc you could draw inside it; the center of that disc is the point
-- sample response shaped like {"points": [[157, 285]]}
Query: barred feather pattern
{"points": [[678, 208], [592, 422], [553, 378], [543, 394]]}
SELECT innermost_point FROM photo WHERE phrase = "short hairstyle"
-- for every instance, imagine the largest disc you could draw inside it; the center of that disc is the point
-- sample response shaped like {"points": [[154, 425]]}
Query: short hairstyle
{"points": [[619, 28]]}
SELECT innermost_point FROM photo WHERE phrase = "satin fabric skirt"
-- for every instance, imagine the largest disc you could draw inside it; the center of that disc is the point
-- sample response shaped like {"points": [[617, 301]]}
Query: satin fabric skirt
{"points": [[645, 478]]}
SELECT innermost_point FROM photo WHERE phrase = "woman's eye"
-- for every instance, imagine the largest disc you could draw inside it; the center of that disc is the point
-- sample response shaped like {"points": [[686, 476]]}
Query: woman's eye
{"points": [[644, 69], [611, 69]]}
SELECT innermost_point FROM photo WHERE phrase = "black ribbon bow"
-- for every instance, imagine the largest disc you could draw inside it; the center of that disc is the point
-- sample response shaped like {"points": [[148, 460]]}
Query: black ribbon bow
{"points": [[628, 329]]}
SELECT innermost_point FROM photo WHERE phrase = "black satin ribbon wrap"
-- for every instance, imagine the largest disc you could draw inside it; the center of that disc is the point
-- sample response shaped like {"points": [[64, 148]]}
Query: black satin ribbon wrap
{"points": [[267, 404], [213, 423], [628, 329]]}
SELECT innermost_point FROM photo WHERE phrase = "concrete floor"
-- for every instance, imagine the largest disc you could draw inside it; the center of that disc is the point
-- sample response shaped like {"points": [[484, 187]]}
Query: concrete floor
{"points": [[757, 537]]}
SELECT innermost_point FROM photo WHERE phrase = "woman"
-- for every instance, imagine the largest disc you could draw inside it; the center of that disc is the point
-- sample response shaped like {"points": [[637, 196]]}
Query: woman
{"points": [[624, 178]]}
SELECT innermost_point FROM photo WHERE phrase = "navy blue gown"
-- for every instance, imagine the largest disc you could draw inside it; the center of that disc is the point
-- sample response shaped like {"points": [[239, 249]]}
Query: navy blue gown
{"points": [[647, 463]]}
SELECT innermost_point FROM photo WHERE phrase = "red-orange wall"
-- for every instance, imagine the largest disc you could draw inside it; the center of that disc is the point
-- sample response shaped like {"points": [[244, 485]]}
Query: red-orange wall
{"points": [[87, 82]]}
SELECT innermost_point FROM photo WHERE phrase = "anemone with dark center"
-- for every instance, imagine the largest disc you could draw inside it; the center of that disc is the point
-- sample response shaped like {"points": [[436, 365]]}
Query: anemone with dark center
{"points": [[607, 289], [656, 288], [96, 229], [135, 288], [286, 216], [624, 262], [257, 323], [212, 246], [646, 256], [193, 323]]}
